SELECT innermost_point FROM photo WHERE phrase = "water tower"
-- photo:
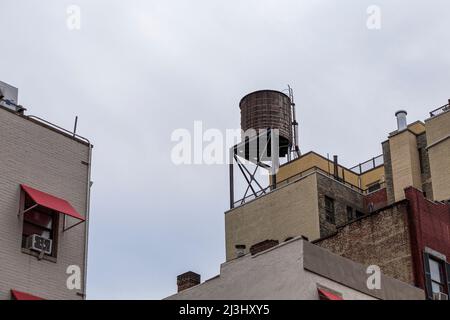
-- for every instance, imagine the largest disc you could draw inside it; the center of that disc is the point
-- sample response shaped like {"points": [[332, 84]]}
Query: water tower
{"points": [[269, 132], [268, 109]]}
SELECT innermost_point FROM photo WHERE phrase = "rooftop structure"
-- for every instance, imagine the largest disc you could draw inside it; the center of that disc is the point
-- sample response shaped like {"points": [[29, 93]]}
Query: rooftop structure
{"points": [[391, 210]]}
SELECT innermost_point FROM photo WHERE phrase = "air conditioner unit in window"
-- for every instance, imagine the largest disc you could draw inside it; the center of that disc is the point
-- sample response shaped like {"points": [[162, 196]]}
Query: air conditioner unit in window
{"points": [[38, 243], [440, 296]]}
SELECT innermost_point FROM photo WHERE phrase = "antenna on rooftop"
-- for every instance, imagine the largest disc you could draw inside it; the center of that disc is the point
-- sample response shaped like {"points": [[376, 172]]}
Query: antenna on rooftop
{"points": [[295, 148], [75, 126]]}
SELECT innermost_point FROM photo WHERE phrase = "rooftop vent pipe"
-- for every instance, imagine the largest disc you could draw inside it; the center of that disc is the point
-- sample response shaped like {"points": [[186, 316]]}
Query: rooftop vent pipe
{"points": [[402, 124], [335, 167]]}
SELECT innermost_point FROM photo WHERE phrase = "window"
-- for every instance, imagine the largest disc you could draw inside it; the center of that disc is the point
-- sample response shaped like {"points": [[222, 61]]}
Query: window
{"points": [[437, 275], [350, 215], [329, 209], [40, 221], [374, 187]]}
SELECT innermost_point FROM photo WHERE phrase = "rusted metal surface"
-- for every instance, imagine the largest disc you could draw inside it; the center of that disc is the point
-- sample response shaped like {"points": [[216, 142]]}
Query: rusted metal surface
{"points": [[268, 109]]}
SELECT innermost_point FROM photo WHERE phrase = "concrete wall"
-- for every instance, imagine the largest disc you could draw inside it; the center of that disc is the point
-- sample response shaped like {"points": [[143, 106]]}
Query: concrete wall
{"points": [[51, 162], [381, 238], [294, 270], [286, 212], [438, 139]]}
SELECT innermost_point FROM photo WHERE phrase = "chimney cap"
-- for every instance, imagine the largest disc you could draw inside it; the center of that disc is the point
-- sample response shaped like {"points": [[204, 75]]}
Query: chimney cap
{"points": [[401, 111]]}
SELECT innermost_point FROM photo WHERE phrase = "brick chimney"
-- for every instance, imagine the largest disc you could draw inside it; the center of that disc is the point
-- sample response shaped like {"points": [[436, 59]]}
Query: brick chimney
{"points": [[262, 246], [187, 280]]}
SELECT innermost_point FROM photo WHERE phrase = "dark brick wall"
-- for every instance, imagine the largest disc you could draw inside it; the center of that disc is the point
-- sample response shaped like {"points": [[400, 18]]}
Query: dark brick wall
{"points": [[381, 238], [425, 165], [187, 280], [343, 196], [396, 236], [429, 224], [388, 172]]}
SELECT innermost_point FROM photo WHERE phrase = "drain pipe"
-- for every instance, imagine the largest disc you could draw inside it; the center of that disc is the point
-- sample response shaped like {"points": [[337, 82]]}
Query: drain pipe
{"points": [[86, 232]]}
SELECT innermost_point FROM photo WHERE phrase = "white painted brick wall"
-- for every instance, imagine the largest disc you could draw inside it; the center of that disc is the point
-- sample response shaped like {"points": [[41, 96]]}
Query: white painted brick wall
{"points": [[51, 162]]}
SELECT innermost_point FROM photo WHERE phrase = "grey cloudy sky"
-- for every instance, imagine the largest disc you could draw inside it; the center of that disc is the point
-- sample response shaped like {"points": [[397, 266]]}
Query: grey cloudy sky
{"points": [[137, 70]]}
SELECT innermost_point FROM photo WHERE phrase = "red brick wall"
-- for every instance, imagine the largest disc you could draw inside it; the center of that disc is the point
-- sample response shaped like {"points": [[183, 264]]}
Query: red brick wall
{"points": [[378, 198], [429, 224]]}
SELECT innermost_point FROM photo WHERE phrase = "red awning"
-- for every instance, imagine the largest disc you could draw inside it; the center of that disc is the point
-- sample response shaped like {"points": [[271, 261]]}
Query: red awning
{"points": [[325, 295], [52, 202], [17, 295]]}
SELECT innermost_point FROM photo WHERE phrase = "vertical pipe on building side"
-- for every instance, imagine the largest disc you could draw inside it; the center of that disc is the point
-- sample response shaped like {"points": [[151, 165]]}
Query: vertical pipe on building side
{"points": [[86, 233]]}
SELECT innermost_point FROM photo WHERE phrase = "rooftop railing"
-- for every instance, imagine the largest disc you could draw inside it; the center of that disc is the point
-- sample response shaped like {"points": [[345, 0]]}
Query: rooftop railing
{"points": [[302, 175], [368, 165], [440, 110]]}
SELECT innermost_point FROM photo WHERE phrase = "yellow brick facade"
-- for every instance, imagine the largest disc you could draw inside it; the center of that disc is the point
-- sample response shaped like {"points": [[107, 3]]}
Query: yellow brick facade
{"points": [[438, 140], [289, 211], [405, 163]]}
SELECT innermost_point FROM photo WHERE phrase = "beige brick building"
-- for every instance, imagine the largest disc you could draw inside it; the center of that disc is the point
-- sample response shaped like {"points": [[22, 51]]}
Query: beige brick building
{"points": [[392, 211], [37, 155]]}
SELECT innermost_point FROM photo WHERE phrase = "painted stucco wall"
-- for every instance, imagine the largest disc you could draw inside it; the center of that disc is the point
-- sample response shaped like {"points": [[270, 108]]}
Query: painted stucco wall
{"points": [[274, 274], [293, 270]]}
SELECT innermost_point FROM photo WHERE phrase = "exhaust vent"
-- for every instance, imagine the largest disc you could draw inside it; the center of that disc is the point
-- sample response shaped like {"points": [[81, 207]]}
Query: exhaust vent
{"points": [[402, 124]]}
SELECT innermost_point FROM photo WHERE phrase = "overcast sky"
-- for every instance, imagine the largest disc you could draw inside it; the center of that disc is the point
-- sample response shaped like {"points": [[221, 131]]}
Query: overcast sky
{"points": [[138, 70]]}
